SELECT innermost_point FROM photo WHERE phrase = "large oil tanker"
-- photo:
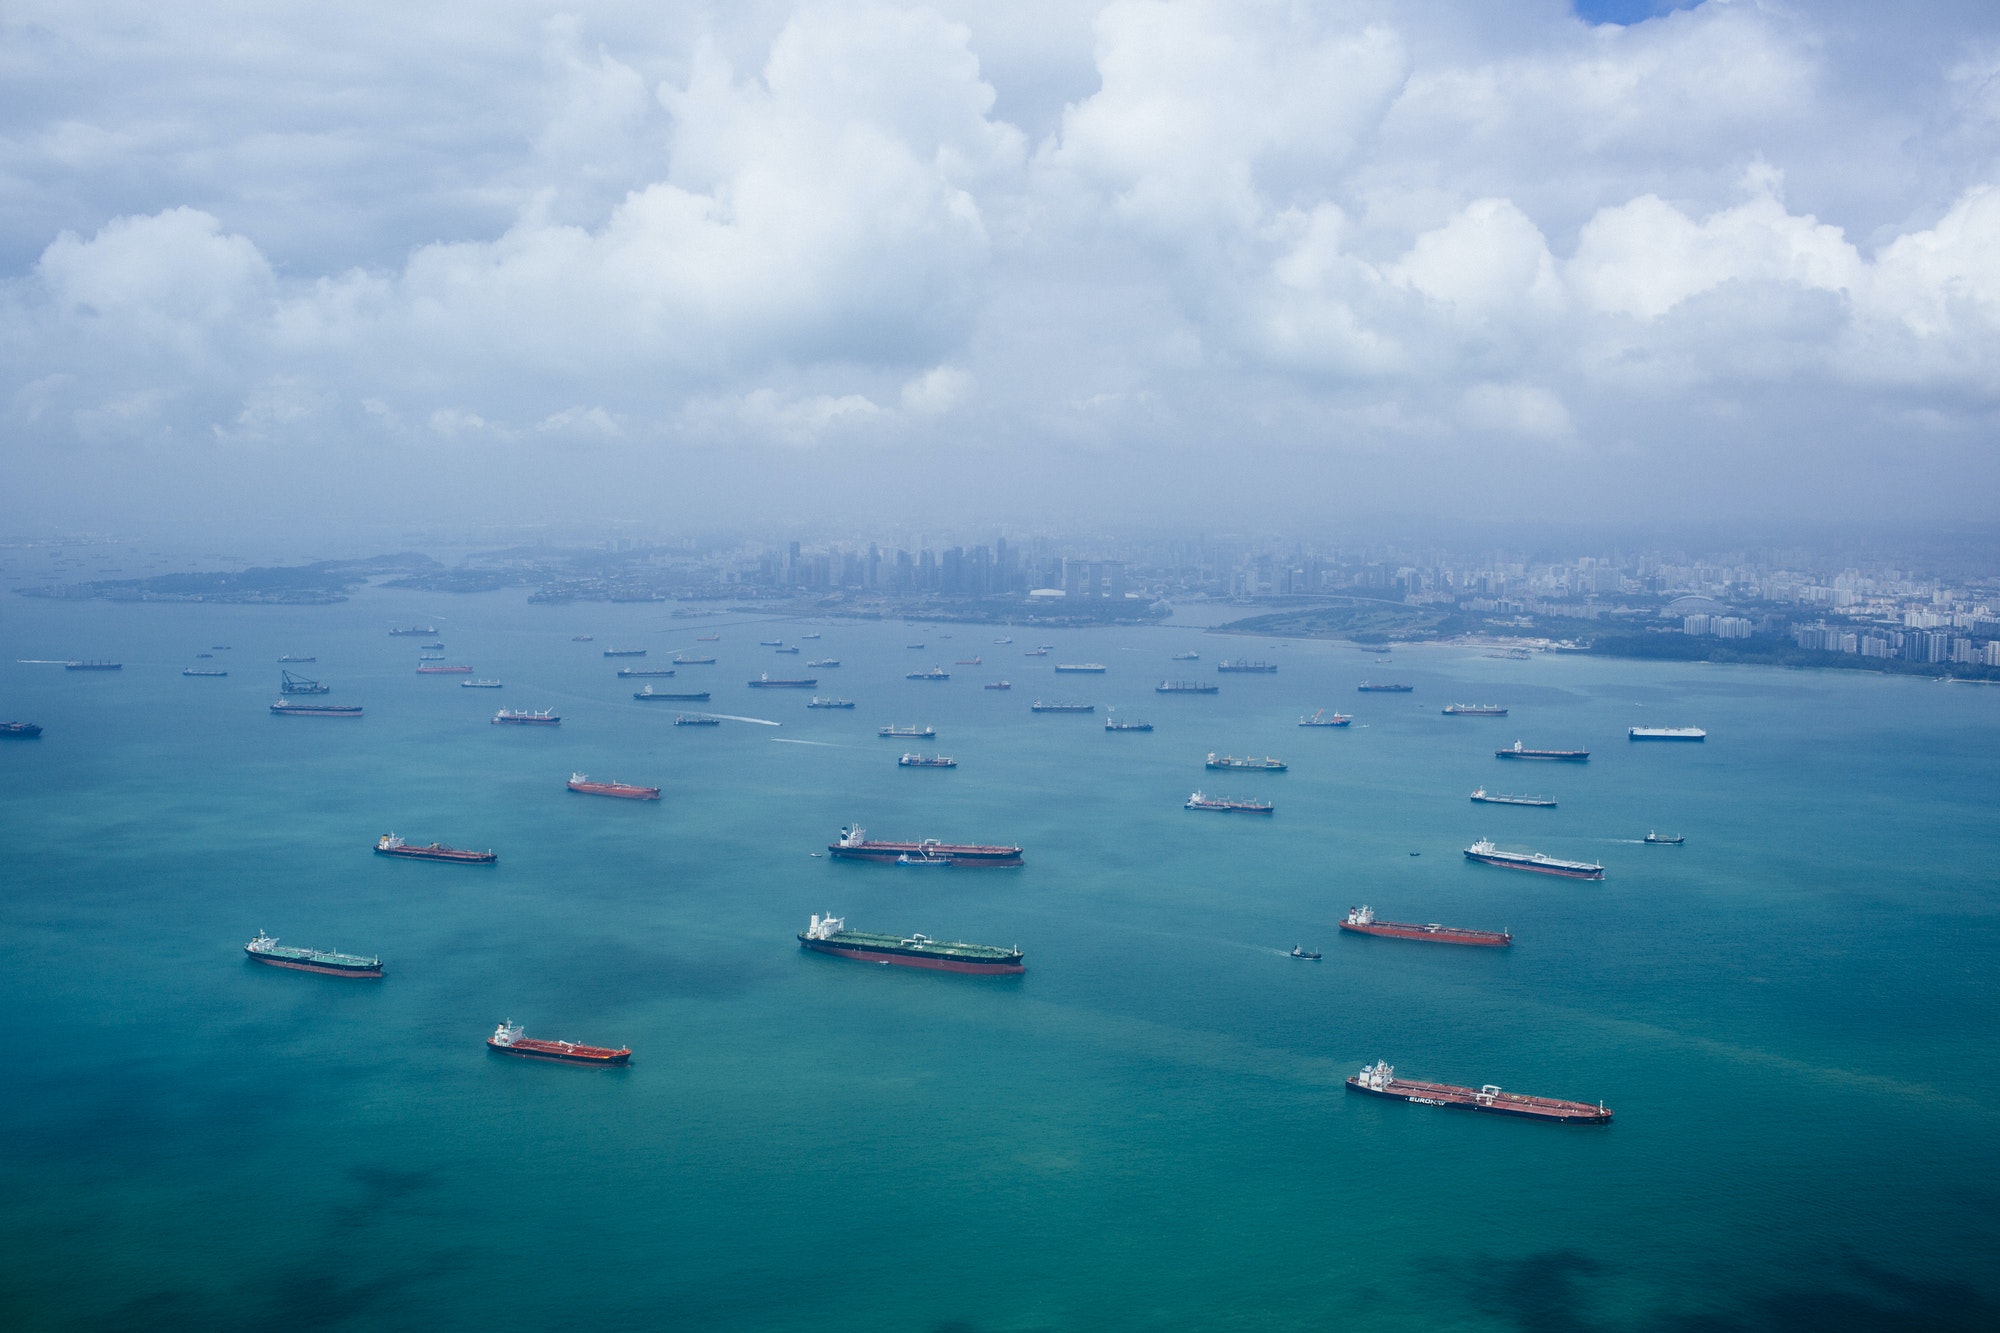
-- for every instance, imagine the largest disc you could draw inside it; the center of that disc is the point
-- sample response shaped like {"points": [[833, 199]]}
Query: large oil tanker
{"points": [[1361, 921], [1520, 751], [265, 949], [829, 934], [856, 845], [391, 845], [291, 708], [581, 783], [1486, 853], [508, 1039], [1379, 1080], [764, 682]]}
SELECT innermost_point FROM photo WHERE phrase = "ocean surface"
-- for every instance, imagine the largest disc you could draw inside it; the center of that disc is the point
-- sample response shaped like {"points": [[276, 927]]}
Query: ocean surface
{"points": [[1794, 1016]]}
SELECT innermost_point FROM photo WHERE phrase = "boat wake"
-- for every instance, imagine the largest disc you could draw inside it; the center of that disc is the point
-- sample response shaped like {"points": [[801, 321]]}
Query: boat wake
{"points": [[760, 721], [39, 661], [828, 745]]}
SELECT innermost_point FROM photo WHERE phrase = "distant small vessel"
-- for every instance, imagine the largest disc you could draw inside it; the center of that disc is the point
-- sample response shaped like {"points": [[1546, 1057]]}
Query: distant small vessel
{"points": [[696, 720], [1266, 764], [527, 717], [430, 657], [93, 666], [1036, 652], [1519, 751], [1486, 798], [1322, 718], [1674, 841], [633, 673], [290, 684], [708, 638], [287, 708], [913, 760], [391, 845], [582, 638], [1008, 639], [1118, 724], [824, 662], [1379, 1080], [792, 649], [1041, 707], [1361, 921], [578, 782], [415, 631], [624, 652], [1083, 668], [196, 671], [1185, 687], [999, 685], [1485, 852], [1370, 687], [682, 696], [295, 659], [479, 684], [1185, 657], [1474, 710], [911, 732], [972, 661], [20, 731], [1202, 801], [1254, 668], [266, 949], [1300, 951], [770, 643], [1668, 734], [914, 647], [830, 935], [766, 682], [813, 635], [508, 1039], [431, 645], [935, 673], [444, 671], [821, 701], [693, 661]]}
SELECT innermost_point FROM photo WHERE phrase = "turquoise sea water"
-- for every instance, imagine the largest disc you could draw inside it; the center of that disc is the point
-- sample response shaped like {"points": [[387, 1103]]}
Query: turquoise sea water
{"points": [[1794, 1015]]}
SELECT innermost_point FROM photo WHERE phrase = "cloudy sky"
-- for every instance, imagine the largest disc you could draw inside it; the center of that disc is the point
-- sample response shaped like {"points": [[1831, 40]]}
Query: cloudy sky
{"points": [[1063, 263]]}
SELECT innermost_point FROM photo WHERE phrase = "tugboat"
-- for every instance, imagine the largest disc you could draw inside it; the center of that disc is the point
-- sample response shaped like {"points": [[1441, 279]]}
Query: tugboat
{"points": [[1300, 951], [265, 949], [508, 1039]]}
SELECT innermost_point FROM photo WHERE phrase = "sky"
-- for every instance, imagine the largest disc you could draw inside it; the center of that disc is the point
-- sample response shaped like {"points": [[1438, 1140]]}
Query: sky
{"points": [[1040, 265]]}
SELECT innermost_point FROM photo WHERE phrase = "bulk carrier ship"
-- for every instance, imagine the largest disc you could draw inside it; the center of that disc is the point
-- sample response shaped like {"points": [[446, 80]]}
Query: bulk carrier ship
{"points": [[1379, 1080], [856, 845], [1519, 751], [1361, 921], [1485, 852], [830, 935], [265, 949]]}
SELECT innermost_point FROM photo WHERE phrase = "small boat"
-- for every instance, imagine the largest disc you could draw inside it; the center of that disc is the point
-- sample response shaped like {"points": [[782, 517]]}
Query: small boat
{"points": [[1665, 841], [479, 684], [1322, 718], [1300, 951], [1000, 685]]}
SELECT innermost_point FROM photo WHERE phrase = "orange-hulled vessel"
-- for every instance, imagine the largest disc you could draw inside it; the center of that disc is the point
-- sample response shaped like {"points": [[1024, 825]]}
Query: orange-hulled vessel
{"points": [[580, 782], [1379, 1080], [1361, 921], [508, 1039]]}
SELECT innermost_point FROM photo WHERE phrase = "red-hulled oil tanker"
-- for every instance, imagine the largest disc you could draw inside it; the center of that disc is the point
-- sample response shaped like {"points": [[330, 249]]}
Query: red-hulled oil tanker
{"points": [[1379, 1080], [1361, 921], [508, 1039], [579, 782], [391, 845], [856, 845]]}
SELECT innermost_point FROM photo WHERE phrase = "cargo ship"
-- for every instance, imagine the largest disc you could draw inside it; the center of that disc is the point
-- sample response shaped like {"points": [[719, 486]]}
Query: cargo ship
{"points": [[914, 760], [696, 720], [479, 684], [431, 645], [265, 949], [1665, 840], [830, 935], [633, 673], [1361, 921], [518, 717], [821, 701], [1082, 668], [1370, 687], [391, 845], [1036, 652], [770, 643], [1483, 797], [764, 682], [196, 671], [1039, 706], [856, 845], [507, 1039], [1519, 751], [1116, 724], [999, 685], [430, 657], [287, 708], [295, 659], [1473, 710], [1264, 765], [583, 638], [1184, 687], [1486, 853], [911, 732], [1185, 657], [625, 790], [1200, 801], [1322, 718], [793, 650], [819, 662], [624, 652], [1668, 734], [935, 673], [290, 684], [681, 696], [20, 731], [415, 631], [694, 661], [708, 638], [93, 666], [1248, 668], [444, 671], [1379, 1080], [975, 661]]}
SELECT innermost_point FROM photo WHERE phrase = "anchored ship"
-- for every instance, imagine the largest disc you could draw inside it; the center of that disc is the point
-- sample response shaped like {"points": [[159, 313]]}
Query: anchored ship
{"points": [[683, 696], [1185, 657], [829, 934], [1039, 706], [633, 673], [1487, 853], [1322, 718], [93, 666], [23, 731], [1379, 1080], [1668, 734], [1114, 724], [195, 671], [764, 682], [1200, 801], [415, 631], [290, 684], [1473, 710], [624, 652], [286, 708], [265, 949], [694, 661], [999, 685], [295, 659], [391, 845], [1248, 668], [821, 701], [1666, 840], [527, 717], [914, 760], [1264, 765], [444, 671], [479, 684], [856, 845], [1485, 798], [819, 662], [1361, 921], [696, 720], [911, 732], [1083, 668], [509, 1039], [793, 650], [973, 661], [1184, 687], [580, 783], [935, 673], [1518, 751], [1370, 687]]}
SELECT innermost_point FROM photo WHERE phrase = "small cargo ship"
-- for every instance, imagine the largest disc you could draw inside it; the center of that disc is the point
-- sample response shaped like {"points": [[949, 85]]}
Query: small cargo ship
{"points": [[265, 949], [935, 673], [1119, 724], [430, 645], [1185, 657], [624, 652], [819, 662], [1370, 687], [197, 671], [578, 782], [911, 732], [1309, 955], [708, 638], [830, 935], [1201, 801], [679, 696], [288, 708], [290, 684], [914, 760], [696, 720], [694, 661], [527, 717], [1361, 921], [770, 643], [974, 661], [1322, 718], [479, 684], [1248, 668], [583, 638], [1665, 840], [444, 671], [1264, 765], [295, 659], [1667, 734], [1185, 687], [81, 665], [793, 650], [813, 635], [765, 682], [1485, 852], [1082, 668], [1040, 706], [634, 673], [1379, 1080], [856, 845], [822, 701], [507, 1039], [391, 845], [1036, 652], [430, 657], [1519, 751], [414, 632], [20, 731], [999, 685], [1484, 797], [1473, 710]]}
